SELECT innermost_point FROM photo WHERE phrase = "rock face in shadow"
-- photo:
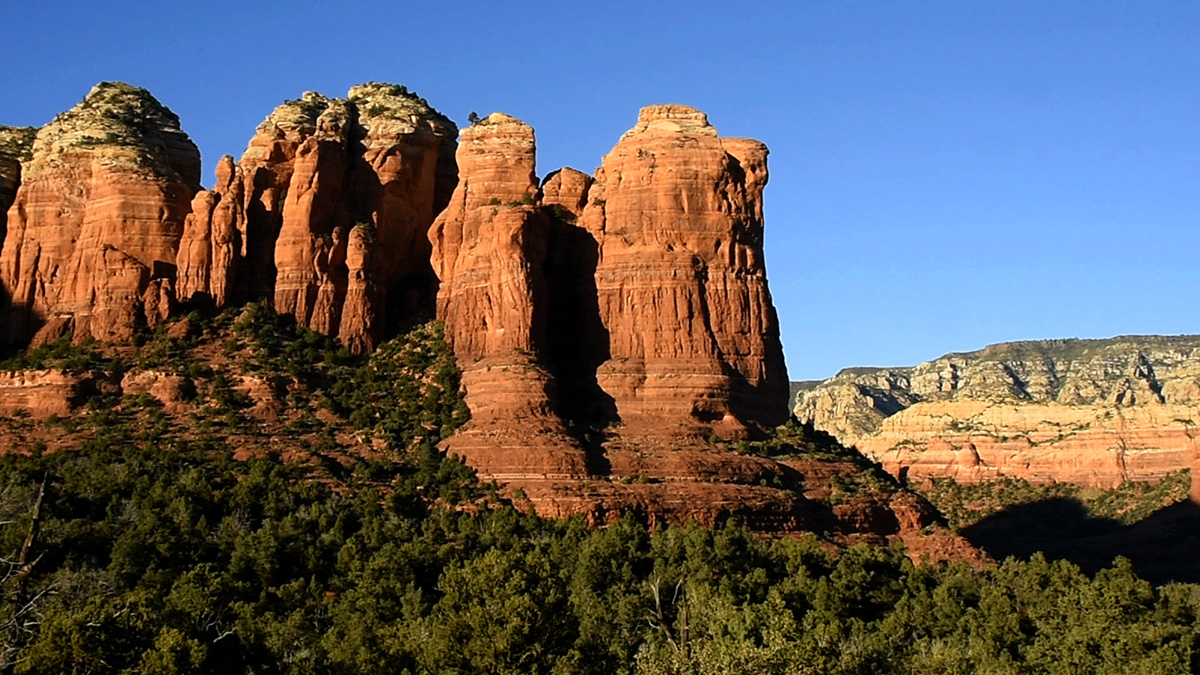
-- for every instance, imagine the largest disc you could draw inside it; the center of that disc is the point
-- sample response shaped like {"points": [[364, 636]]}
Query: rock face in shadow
{"points": [[1160, 548], [95, 224], [325, 215], [16, 146], [1091, 412]]}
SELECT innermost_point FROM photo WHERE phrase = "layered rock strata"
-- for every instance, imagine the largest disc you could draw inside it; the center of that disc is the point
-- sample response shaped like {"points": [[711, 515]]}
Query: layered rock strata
{"points": [[96, 221], [607, 326], [41, 393], [326, 213], [1090, 412], [693, 340]]}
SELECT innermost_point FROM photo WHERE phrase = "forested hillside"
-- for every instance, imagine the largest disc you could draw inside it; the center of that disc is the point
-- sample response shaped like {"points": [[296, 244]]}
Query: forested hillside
{"points": [[328, 535]]}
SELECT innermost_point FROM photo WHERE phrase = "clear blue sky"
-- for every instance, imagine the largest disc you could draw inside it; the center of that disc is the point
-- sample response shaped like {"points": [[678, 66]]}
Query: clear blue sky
{"points": [[943, 175]]}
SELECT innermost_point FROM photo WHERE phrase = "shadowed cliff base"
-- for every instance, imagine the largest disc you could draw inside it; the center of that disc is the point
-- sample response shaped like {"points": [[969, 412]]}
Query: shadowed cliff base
{"points": [[16, 320], [1162, 548]]}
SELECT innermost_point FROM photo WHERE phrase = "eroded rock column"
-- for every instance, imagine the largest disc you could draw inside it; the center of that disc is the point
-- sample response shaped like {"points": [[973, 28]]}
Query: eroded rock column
{"points": [[380, 163], [693, 337], [489, 250]]}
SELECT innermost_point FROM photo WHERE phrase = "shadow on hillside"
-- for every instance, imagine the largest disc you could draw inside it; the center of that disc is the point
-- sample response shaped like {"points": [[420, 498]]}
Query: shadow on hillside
{"points": [[18, 325], [1163, 547]]}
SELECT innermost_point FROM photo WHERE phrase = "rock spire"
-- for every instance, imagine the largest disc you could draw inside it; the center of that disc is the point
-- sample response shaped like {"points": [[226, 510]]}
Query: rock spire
{"points": [[608, 326]]}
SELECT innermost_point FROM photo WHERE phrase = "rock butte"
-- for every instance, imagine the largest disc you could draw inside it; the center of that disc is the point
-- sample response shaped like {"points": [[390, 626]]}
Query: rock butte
{"points": [[607, 326], [1091, 412], [96, 220]]}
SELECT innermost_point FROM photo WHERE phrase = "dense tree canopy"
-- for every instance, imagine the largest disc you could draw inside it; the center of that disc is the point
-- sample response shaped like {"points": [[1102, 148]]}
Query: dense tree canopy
{"points": [[178, 562], [129, 555]]}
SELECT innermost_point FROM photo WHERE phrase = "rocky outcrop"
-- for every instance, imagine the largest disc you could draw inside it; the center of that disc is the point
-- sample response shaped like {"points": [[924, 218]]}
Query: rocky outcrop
{"points": [[310, 251], [693, 341], [210, 252], [607, 327], [326, 213], [41, 393], [1091, 412], [171, 390], [97, 219], [489, 250]]}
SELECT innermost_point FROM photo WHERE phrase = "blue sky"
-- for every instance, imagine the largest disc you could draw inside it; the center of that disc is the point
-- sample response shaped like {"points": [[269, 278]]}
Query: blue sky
{"points": [[944, 175]]}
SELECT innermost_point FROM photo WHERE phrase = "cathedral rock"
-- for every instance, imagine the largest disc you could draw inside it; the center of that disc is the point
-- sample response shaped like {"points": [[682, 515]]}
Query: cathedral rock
{"points": [[609, 328]]}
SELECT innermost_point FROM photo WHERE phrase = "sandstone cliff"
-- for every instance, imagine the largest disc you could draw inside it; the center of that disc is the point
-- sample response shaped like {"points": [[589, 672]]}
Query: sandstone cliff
{"points": [[607, 327], [489, 250], [1091, 412], [325, 214], [693, 341], [96, 220]]}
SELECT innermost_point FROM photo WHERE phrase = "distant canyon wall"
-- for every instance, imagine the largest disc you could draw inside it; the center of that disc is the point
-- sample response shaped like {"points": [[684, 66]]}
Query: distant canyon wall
{"points": [[1091, 412]]}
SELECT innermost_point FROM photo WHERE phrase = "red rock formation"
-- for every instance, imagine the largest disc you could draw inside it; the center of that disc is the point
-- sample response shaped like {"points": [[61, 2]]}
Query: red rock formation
{"points": [[519, 297], [211, 252], [479, 245], [318, 168], [360, 325], [97, 218], [408, 153], [567, 189], [170, 389], [489, 246], [312, 237], [693, 341], [40, 393], [637, 299]]}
